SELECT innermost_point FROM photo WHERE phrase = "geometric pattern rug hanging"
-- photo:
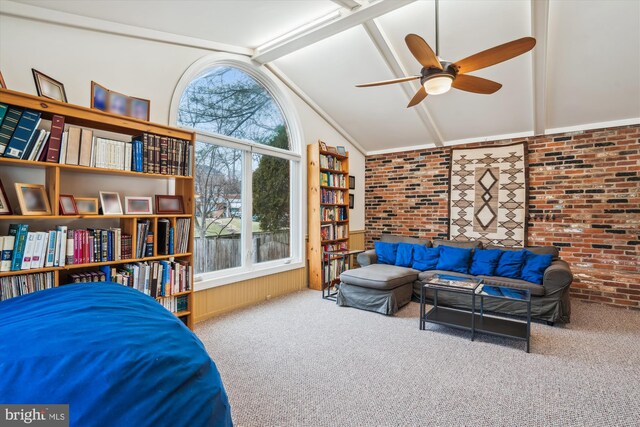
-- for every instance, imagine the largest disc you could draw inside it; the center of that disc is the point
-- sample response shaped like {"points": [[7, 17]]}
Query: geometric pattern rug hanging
{"points": [[488, 194]]}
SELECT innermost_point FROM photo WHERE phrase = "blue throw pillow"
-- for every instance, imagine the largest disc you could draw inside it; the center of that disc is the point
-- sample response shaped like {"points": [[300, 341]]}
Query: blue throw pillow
{"points": [[425, 258], [534, 267], [510, 264], [485, 262], [454, 259], [404, 256], [386, 252]]}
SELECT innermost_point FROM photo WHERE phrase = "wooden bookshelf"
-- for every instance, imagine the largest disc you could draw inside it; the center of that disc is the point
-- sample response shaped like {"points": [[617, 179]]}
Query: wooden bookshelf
{"points": [[53, 172], [327, 206]]}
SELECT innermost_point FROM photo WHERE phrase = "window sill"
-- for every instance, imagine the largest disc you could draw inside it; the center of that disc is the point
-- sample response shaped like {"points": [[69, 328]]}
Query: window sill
{"points": [[209, 281]]}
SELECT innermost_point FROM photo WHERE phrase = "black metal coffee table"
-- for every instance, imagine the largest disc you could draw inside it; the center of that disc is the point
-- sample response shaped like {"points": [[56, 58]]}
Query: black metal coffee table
{"points": [[470, 319]]}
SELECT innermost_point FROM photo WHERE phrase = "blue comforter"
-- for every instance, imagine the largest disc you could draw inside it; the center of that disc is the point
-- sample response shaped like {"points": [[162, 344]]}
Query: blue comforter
{"points": [[113, 354]]}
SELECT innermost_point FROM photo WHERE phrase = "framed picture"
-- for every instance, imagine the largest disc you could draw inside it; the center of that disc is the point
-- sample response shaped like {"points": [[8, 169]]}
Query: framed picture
{"points": [[32, 199], [87, 205], [323, 146], [117, 103], [68, 205], [139, 108], [341, 150], [99, 96], [332, 149], [169, 204], [352, 182], [138, 205], [5, 208], [110, 202], [48, 87], [350, 201], [3, 85]]}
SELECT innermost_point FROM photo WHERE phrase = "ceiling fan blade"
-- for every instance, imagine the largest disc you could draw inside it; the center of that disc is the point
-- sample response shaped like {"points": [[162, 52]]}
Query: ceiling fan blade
{"points": [[418, 97], [422, 52], [388, 82], [495, 55], [475, 84]]}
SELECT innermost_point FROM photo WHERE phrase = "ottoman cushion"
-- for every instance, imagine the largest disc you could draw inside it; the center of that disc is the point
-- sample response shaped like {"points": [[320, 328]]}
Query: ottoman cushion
{"points": [[379, 276]]}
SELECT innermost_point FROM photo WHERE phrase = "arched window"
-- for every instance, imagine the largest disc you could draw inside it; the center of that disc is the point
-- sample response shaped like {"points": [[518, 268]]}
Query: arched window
{"points": [[247, 169]]}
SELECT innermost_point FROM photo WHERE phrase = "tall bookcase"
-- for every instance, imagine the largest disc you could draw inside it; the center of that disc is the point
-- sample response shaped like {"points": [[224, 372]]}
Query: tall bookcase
{"points": [[56, 175], [328, 210]]}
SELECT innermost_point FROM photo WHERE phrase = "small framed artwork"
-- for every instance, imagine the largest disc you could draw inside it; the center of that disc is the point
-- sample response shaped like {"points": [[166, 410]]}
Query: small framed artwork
{"points": [[117, 103], [352, 182], [99, 96], [350, 201], [110, 202], [68, 205], [32, 199], [87, 205], [48, 87], [169, 204], [341, 150], [139, 108], [138, 206], [332, 149], [3, 85], [323, 146], [5, 208]]}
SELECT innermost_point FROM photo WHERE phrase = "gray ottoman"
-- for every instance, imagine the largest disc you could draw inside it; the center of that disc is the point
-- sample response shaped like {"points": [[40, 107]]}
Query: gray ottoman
{"points": [[377, 287]]}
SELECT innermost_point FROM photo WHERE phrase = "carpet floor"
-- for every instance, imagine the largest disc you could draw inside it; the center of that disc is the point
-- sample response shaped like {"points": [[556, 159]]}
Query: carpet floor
{"points": [[301, 361]]}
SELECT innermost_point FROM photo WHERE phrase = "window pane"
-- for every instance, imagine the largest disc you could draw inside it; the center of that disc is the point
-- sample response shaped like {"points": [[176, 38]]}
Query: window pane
{"points": [[218, 226], [271, 213], [227, 101]]}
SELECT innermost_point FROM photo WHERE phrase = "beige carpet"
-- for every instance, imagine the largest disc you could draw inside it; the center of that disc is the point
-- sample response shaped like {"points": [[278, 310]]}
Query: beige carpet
{"points": [[302, 361]]}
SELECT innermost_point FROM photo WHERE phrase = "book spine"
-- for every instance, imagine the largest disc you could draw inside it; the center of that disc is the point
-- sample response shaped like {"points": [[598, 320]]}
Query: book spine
{"points": [[32, 142], [7, 253], [164, 156], [9, 124], [22, 134], [19, 231], [70, 251], [51, 249], [63, 245], [28, 251], [37, 250], [57, 128]]}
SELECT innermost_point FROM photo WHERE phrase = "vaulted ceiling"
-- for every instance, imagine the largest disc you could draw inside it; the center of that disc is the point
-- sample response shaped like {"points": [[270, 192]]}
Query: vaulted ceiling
{"points": [[583, 73]]}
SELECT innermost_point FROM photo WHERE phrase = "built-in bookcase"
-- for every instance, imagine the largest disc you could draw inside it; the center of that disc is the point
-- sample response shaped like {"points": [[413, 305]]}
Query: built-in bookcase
{"points": [[58, 176], [328, 211]]}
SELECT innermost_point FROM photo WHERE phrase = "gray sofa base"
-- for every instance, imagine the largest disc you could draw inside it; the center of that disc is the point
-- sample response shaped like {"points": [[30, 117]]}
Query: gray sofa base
{"points": [[385, 301]]}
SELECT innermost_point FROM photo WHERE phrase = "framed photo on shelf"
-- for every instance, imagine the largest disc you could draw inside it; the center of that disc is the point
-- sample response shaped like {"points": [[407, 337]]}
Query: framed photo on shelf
{"points": [[139, 108], [110, 202], [332, 149], [138, 205], [5, 208], [87, 205], [341, 150], [117, 103], [68, 205], [350, 201], [352, 182], [99, 96], [169, 204], [33, 199], [48, 87], [323, 146]]}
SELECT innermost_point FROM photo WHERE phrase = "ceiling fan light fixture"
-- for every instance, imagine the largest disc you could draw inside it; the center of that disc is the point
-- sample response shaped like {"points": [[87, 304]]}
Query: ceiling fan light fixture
{"points": [[439, 84]]}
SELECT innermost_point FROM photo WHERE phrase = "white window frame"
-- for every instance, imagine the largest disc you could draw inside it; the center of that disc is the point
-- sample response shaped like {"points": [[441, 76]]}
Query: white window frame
{"points": [[248, 269]]}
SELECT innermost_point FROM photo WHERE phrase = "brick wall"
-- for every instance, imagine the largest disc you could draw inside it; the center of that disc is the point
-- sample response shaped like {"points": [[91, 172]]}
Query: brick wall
{"points": [[584, 197]]}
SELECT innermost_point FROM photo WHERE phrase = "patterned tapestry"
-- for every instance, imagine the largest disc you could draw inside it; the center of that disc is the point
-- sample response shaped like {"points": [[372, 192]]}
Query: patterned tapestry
{"points": [[488, 194]]}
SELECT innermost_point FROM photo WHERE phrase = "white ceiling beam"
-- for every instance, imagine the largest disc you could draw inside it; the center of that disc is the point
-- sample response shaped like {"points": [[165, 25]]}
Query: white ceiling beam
{"points": [[347, 4], [540, 30], [347, 20], [410, 88]]}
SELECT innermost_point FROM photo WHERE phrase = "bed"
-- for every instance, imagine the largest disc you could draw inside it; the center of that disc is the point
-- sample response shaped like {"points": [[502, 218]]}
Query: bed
{"points": [[113, 354]]}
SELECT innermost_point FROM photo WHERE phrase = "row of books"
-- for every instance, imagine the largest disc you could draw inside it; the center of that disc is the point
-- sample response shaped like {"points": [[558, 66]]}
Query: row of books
{"points": [[144, 242], [333, 232], [176, 304], [87, 277], [20, 138], [328, 247], [333, 180], [330, 162], [173, 240], [14, 286], [97, 245], [154, 278], [331, 196], [331, 271], [333, 213]]}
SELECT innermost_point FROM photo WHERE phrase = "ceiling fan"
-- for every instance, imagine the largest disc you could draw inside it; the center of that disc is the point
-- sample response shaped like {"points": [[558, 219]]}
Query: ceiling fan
{"points": [[437, 76]]}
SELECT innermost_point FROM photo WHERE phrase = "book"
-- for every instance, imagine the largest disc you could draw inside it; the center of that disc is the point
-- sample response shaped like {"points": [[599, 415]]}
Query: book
{"points": [[73, 145], [149, 245], [3, 112], [86, 145], [7, 252], [41, 139], [22, 134], [9, 125], [37, 249], [55, 140], [62, 245], [51, 249], [28, 251], [19, 231], [31, 144], [43, 251]]}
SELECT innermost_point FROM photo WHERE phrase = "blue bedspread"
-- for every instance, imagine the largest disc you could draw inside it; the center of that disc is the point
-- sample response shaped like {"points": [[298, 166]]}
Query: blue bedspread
{"points": [[115, 355]]}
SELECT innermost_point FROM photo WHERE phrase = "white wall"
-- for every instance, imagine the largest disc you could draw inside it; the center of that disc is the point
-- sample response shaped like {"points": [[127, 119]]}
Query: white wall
{"points": [[137, 67]]}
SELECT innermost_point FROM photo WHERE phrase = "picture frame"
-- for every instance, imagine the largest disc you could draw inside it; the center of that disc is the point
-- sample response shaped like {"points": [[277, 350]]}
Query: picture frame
{"points": [[32, 199], [68, 205], [99, 96], [138, 205], [110, 202], [5, 207], [341, 150], [166, 204], [323, 146], [351, 201], [117, 103], [48, 87], [332, 149], [3, 85], [139, 108], [87, 205], [352, 182]]}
